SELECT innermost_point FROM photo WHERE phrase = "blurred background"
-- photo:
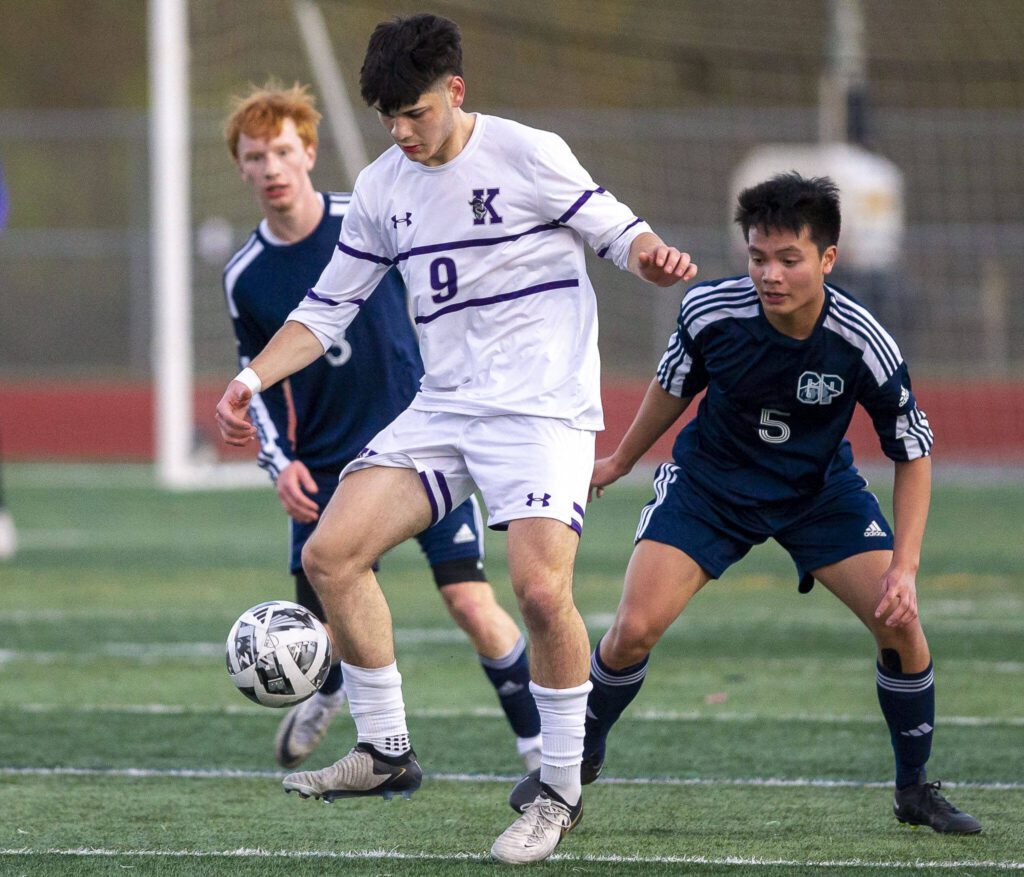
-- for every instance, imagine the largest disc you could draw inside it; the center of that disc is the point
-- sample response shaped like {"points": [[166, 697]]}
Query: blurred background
{"points": [[916, 106]]}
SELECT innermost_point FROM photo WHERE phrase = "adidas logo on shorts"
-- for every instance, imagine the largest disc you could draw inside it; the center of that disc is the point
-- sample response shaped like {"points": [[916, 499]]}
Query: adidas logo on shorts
{"points": [[874, 530], [463, 534]]}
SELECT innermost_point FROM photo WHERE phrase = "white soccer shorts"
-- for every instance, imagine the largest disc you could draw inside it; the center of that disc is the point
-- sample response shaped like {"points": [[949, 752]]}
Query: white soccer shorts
{"points": [[524, 466]]}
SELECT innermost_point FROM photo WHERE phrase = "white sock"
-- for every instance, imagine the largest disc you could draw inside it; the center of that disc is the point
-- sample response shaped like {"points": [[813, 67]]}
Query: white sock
{"points": [[375, 702], [562, 713], [527, 744]]}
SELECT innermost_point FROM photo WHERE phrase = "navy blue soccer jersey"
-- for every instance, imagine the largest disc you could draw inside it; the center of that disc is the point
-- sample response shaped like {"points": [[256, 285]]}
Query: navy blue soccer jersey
{"points": [[358, 387], [772, 424]]}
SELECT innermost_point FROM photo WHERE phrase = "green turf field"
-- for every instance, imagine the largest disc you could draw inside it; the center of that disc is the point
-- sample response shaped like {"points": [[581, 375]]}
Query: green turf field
{"points": [[755, 747]]}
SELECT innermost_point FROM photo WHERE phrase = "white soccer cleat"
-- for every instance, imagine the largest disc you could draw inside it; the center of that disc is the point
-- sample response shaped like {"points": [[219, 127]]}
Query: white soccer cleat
{"points": [[302, 729], [531, 759], [363, 772], [534, 835], [529, 751]]}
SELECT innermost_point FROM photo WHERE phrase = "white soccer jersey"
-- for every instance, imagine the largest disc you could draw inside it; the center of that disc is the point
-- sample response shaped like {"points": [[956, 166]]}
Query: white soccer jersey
{"points": [[491, 249]]}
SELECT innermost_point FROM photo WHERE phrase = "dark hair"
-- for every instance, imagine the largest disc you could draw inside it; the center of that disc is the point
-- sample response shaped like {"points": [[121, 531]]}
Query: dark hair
{"points": [[790, 202], [406, 57]]}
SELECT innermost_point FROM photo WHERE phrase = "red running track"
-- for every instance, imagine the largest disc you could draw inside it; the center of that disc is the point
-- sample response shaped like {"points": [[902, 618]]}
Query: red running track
{"points": [[977, 422]]}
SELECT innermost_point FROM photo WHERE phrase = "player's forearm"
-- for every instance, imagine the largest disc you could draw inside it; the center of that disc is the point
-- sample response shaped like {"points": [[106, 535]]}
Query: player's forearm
{"points": [[912, 490], [658, 411], [292, 348]]}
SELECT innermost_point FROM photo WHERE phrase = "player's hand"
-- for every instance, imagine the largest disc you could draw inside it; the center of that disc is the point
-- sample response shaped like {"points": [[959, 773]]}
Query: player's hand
{"points": [[899, 598], [665, 265], [294, 484], [231, 410], [606, 471]]}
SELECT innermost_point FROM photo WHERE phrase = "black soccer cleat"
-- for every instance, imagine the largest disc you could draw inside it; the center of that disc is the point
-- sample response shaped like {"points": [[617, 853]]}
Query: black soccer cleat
{"points": [[530, 786], [363, 772], [922, 804]]}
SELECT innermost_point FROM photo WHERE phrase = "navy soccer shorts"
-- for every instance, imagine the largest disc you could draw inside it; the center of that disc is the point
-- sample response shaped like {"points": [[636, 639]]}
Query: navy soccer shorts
{"points": [[816, 531], [454, 546]]}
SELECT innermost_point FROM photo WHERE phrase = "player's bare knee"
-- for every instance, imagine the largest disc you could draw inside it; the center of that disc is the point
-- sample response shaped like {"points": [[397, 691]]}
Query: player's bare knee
{"points": [[627, 642], [542, 605], [467, 607], [325, 562]]}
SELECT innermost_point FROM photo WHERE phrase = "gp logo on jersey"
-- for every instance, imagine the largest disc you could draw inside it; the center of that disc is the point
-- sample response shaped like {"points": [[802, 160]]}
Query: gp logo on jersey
{"points": [[483, 206], [815, 389]]}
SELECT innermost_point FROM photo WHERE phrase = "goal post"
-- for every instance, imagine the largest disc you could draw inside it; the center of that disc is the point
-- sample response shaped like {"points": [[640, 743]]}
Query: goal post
{"points": [[188, 458]]}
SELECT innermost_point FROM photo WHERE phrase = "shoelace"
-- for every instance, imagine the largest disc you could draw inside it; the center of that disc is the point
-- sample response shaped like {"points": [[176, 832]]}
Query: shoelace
{"points": [[545, 810], [939, 800]]}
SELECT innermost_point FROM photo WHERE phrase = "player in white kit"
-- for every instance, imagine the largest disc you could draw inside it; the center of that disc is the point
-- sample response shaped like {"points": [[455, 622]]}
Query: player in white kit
{"points": [[486, 220]]}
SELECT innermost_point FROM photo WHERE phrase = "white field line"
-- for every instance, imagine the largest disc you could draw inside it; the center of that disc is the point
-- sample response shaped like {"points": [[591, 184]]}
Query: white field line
{"points": [[749, 782], [395, 855], [148, 651], [157, 709]]}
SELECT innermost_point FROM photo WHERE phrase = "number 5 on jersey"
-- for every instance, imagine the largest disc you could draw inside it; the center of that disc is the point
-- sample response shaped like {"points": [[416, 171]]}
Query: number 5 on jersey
{"points": [[773, 430]]}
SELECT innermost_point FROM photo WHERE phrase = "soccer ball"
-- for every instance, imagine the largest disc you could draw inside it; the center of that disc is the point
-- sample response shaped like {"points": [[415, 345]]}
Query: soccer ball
{"points": [[278, 653]]}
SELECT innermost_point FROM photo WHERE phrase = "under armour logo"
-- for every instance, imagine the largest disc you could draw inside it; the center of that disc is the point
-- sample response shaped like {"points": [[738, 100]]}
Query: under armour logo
{"points": [[395, 220], [482, 206], [543, 500]]}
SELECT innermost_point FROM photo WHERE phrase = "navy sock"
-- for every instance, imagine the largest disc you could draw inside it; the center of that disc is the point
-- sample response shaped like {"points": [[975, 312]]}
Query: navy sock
{"points": [[908, 704], [334, 680], [510, 676], [613, 691]]}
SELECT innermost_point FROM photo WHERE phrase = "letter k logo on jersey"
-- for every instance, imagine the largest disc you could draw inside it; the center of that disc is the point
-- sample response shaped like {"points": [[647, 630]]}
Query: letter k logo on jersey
{"points": [[483, 206], [543, 500]]}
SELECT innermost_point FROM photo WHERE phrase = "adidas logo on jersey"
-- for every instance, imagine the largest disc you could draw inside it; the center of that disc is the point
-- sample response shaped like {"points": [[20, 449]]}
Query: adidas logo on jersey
{"points": [[463, 534], [874, 530]]}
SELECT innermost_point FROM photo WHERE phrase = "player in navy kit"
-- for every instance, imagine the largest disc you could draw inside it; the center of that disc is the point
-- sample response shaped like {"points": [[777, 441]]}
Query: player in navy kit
{"points": [[784, 358], [311, 427]]}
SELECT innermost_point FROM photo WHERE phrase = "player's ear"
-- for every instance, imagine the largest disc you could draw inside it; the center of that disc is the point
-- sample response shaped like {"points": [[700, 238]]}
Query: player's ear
{"points": [[311, 156], [456, 91], [828, 259]]}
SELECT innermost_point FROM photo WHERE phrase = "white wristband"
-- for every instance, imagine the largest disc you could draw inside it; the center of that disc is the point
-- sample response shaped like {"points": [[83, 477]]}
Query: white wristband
{"points": [[252, 380]]}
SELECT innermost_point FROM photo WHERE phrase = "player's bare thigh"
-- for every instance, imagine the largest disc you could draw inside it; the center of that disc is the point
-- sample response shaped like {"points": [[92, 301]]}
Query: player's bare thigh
{"points": [[373, 510], [857, 582], [660, 581]]}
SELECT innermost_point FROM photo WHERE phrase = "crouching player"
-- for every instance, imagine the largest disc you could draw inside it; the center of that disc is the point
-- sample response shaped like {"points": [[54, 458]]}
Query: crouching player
{"points": [[784, 358]]}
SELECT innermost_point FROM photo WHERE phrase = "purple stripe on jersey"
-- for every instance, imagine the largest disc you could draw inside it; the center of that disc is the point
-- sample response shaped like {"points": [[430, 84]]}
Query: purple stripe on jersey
{"points": [[434, 517], [579, 510], [577, 526], [445, 492], [572, 211], [604, 250], [474, 242], [358, 302], [369, 257], [494, 299]]}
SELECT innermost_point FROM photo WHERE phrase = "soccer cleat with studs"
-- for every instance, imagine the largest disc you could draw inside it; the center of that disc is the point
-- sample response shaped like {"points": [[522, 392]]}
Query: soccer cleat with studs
{"points": [[922, 804], [302, 729], [541, 827], [529, 787], [363, 772]]}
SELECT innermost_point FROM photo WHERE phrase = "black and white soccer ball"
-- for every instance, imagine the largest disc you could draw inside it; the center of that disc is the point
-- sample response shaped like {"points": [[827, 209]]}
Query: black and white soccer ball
{"points": [[278, 653]]}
